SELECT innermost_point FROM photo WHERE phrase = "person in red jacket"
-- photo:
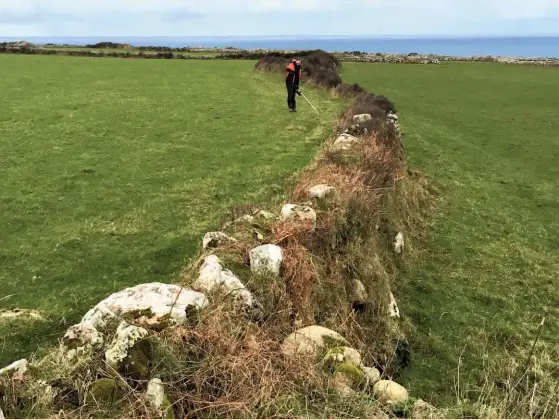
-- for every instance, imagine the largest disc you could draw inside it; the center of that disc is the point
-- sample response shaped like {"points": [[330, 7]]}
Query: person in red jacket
{"points": [[292, 83]]}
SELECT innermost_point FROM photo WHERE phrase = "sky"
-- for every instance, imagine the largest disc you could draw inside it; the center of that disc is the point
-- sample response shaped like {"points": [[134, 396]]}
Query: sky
{"points": [[20, 18]]}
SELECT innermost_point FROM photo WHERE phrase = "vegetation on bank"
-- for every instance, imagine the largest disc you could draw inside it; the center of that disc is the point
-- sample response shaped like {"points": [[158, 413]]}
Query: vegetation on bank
{"points": [[113, 170], [480, 286]]}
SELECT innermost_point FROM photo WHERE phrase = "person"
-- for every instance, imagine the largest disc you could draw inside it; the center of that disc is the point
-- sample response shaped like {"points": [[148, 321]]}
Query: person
{"points": [[292, 83]]}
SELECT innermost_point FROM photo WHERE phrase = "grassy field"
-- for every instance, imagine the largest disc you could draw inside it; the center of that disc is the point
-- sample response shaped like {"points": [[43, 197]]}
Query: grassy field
{"points": [[487, 136], [112, 170]]}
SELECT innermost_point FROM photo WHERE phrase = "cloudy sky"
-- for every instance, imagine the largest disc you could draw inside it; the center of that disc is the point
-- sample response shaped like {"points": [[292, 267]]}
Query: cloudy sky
{"points": [[21, 18]]}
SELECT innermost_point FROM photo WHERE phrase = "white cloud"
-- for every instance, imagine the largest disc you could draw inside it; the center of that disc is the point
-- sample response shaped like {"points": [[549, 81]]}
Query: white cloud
{"points": [[238, 17]]}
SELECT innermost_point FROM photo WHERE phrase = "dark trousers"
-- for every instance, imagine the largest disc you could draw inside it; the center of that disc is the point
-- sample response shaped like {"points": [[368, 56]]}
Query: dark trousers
{"points": [[291, 91]]}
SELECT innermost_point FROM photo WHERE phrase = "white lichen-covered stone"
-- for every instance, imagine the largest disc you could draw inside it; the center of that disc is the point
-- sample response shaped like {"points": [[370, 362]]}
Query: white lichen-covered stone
{"points": [[360, 295], [156, 398], [157, 302], [399, 243], [79, 338], [298, 214], [344, 355], [126, 337], [1, 414], [321, 191], [309, 340], [213, 276], [215, 239], [392, 116], [372, 375], [18, 367], [390, 392], [345, 141], [393, 309], [362, 118], [20, 315], [266, 259], [265, 214]]}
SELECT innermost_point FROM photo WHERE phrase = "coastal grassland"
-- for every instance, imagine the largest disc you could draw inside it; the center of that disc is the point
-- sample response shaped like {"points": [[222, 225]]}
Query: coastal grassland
{"points": [[487, 136], [112, 170]]}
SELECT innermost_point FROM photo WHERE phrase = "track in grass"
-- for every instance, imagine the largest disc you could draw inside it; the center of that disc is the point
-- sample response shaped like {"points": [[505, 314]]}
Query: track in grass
{"points": [[112, 169], [487, 136]]}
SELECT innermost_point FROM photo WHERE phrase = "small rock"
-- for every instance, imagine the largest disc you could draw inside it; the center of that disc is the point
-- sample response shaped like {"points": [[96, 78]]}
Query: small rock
{"points": [[106, 390], [215, 239], [156, 398], [265, 214], [81, 337], [1, 414], [159, 304], [343, 384], [372, 375], [345, 141], [257, 235], [424, 410], [120, 357], [399, 243], [321, 191], [213, 276], [266, 259], [20, 315], [300, 214], [393, 309], [308, 340], [392, 116], [362, 118], [390, 392], [19, 367], [343, 355]]}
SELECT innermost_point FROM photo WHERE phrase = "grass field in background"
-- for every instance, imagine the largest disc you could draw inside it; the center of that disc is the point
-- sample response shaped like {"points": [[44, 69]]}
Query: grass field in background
{"points": [[487, 135], [112, 170]]}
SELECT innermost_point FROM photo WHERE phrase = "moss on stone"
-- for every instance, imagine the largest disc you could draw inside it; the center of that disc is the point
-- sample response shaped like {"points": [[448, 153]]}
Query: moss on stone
{"points": [[332, 342], [353, 373], [137, 363], [106, 390], [167, 408]]}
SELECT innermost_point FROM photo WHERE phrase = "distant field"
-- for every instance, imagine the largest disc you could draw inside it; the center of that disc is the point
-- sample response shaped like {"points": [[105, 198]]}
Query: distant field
{"points": [[130, 50], [112, 170], [488, 136]]}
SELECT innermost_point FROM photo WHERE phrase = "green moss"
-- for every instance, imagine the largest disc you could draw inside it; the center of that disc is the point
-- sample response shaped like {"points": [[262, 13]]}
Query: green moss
{"points": [[137, 363], [332, 342], [167, 408], [353, 373], [106, 391]]}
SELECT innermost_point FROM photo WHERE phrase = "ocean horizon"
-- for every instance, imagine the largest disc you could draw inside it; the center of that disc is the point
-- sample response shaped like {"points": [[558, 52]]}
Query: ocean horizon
{"points": [[529, 46]]}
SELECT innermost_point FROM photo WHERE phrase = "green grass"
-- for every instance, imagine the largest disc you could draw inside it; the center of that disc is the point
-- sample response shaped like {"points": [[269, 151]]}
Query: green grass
{"points": [[112, 170], [487, 136]]}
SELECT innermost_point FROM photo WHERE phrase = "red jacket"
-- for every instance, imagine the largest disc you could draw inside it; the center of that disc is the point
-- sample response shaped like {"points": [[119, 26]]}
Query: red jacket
{"points": [[293, 73]]}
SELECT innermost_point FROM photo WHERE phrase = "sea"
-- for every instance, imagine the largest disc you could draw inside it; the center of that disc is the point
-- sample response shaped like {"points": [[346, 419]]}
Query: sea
{"points": [[533, 47]]}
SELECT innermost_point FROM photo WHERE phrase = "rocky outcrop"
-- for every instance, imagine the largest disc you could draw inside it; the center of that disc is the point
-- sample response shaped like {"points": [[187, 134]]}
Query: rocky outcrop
{"points": [[213, 277], [266, 259]]}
